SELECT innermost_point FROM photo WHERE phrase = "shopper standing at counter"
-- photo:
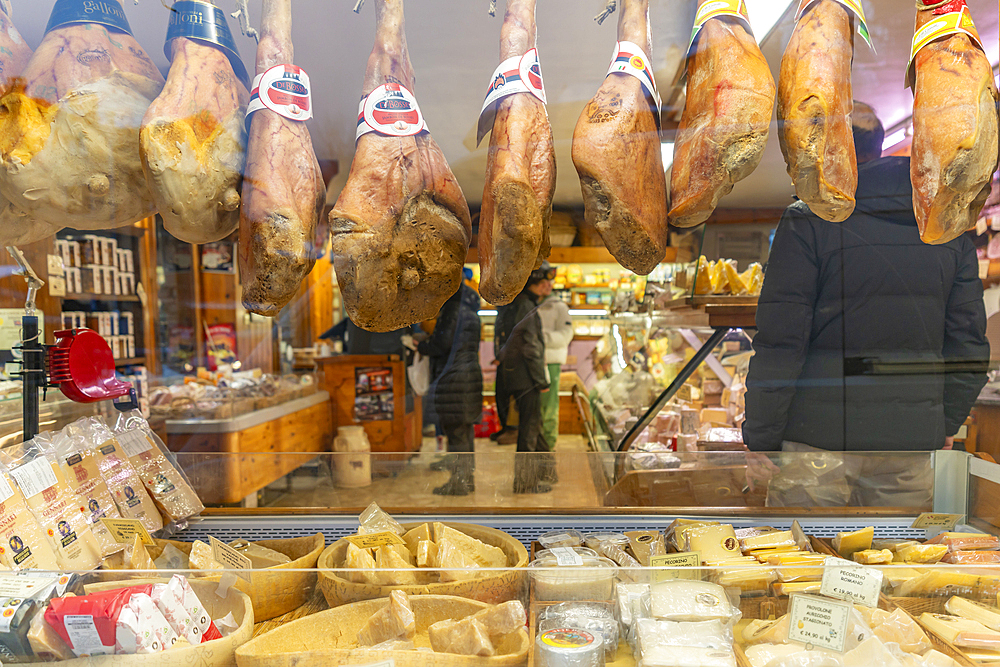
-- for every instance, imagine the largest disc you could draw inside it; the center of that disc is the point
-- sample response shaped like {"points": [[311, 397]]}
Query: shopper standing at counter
{"points": [[522, 360], [557, 331], [457, 388], [841, 300]]}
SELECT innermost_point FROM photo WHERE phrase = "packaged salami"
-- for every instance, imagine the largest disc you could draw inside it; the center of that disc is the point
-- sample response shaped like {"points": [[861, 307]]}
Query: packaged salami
{"points": [[120, 476], [166, 483], [22, 540], [79, 466], [50, 498]]}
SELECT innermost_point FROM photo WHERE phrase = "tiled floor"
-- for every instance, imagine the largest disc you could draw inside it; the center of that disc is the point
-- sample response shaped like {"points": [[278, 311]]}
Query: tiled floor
{"points": [[411, 487]]}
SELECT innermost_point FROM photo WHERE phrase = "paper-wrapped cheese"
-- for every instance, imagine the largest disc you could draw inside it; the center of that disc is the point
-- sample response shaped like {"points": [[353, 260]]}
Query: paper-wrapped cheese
{"points": [[680, 600], [393, 621], [185, 613], [141, 628]]}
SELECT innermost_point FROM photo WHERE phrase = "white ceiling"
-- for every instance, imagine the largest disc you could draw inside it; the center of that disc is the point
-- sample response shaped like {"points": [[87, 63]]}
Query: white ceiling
{"points": [[454, 48]]}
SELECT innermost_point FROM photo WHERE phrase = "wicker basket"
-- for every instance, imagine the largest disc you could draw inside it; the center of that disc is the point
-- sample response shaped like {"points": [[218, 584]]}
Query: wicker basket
{"points": [[494, 587], [215, 653], [278, 593], [329, 638]]}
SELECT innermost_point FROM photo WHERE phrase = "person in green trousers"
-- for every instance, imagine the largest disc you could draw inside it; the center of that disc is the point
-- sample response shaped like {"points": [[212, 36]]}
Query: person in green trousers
{"points": [[557, 329]]}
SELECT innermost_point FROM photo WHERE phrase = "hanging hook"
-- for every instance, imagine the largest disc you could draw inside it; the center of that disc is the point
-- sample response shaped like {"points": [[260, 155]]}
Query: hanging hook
{"points": [[493, 7], [358, 5], [243, 14], [608, 10]]}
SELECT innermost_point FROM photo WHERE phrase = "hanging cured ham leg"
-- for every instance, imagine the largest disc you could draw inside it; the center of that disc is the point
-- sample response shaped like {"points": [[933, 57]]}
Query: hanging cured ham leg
{"points": [[954, 151], [193, 139], [401, 226], [283, 189], [814, 110], [616, 151], [520, 176], [724, 126], [69, 128]]}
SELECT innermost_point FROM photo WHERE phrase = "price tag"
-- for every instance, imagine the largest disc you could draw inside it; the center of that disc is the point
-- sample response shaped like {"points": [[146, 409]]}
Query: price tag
{"points": [[690, 559], [939, 522], [231, 558], [565, 556], [818, 621], [34, 477], [19, 586], [849, 581], [372, 540], [124, 531], [83, 636], [134, 442]]}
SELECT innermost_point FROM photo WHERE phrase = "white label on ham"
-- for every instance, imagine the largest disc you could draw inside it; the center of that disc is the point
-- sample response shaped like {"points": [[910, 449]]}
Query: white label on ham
{"points": [[519, 74], [391, 110], [285, 90], [34, 477], [629, 58]]}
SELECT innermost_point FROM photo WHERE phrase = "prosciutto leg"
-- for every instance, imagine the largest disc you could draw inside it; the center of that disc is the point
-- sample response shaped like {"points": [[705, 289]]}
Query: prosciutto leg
{"points": [[954, 151], [724, 126], [616, 152], [283, 189], [401, 226], [193, 143], [814, 110], [520, 176]]}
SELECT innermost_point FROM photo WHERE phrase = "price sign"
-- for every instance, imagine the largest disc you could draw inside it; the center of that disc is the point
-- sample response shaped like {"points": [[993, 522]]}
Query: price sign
{"points": [[690, 559], [373, 540], [231, 559], [818, 621], [124, 531], [849, 581], [937, 522]]}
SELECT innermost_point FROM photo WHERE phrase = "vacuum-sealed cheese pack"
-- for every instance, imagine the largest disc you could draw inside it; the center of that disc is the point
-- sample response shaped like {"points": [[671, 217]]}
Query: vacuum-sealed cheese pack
{"points": [[120, 476], [79, 466], [166, 483], [50, 498], [22, 540]]}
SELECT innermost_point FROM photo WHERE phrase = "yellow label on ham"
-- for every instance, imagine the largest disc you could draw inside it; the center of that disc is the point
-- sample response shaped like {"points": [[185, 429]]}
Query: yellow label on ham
{"points": [[854, 6], [952, 23], [713, 9]]}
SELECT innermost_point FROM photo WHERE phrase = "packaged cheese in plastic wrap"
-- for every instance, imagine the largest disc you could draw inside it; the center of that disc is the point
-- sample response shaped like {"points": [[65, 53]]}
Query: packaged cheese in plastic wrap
{"points": [[594, 617], [680, 600], [50, 498], [22, 541], [165, 481], [123, 481], [79, 466]]}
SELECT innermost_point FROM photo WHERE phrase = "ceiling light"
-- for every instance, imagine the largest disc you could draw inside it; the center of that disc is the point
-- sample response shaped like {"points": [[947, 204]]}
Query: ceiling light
{"points": [[667, 150], [765, 14], [897, 137]]}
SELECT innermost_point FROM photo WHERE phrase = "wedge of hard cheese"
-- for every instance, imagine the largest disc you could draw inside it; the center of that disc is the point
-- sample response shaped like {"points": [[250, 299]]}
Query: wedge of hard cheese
{"points": [[484, 555], [464, 637], [393, 621], [976, 611], [846, 544]]}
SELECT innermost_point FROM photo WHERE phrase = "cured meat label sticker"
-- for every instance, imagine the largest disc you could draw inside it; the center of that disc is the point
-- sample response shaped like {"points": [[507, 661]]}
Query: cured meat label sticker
{"points": [[392, 110], [818, 622], [711, 9], [952, 23], [285, 90], [102, 12], [629, 58], [200, 20], [854, 6], [520, 74]]}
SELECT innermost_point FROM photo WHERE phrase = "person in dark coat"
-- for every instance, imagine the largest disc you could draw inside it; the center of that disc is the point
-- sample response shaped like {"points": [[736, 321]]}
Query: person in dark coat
{"points": [[457, 388], [522, 359], [841, 301], [503, 326]]}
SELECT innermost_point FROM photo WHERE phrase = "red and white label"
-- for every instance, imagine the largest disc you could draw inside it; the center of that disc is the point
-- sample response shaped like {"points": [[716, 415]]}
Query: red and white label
{"points": [[629, 58], [520, 74], [391, 110], [285, 90]]}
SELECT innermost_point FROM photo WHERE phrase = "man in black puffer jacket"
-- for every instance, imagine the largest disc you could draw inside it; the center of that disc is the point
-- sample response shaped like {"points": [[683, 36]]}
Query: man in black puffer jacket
{"points": [[840, 300], [457, 389]]}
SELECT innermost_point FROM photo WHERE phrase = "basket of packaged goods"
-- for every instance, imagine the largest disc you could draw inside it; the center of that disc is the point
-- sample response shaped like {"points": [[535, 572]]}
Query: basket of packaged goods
{"points": [[288, 579], [418, 631], [431, 558], [152, 622]]}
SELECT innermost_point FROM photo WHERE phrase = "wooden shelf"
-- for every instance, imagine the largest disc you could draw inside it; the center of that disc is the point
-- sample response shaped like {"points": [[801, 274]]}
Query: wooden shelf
{"points": [[576, 255], [101, 297], [130, 361]]}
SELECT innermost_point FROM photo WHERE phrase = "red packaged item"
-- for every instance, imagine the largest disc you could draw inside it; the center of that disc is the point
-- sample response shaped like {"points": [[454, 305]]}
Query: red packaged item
{"points": [[88, 623], [966, 541], [972, 557]]}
